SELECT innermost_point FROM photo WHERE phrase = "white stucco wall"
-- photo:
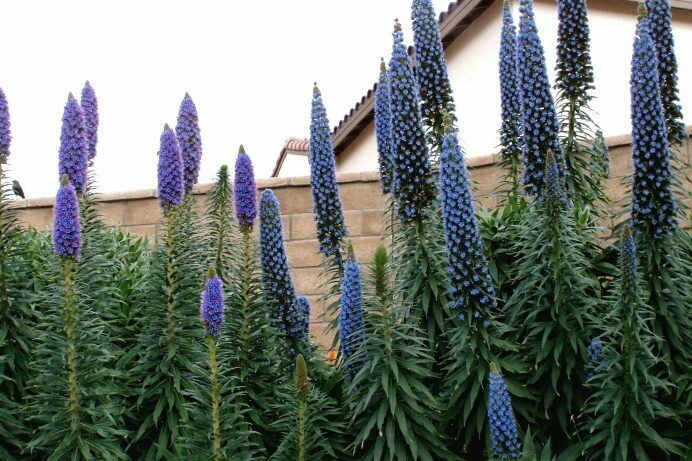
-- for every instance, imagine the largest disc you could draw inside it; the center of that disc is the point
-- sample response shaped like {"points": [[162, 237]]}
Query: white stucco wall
{"points": [[295, 165], [473, 68]]}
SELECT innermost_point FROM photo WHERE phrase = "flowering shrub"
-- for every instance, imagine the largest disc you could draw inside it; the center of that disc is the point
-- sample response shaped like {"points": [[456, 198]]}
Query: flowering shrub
{"points": [[462, 334]]}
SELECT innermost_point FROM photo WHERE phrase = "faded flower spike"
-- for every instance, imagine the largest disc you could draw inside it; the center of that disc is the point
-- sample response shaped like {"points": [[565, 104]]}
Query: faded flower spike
{"points": [[212, 306], [67, 228], [170, 170], [74, 152], [245, 190]]}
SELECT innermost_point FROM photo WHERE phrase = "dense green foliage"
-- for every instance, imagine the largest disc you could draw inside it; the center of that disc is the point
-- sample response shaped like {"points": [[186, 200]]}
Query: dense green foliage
{"points": [[510, 333]]}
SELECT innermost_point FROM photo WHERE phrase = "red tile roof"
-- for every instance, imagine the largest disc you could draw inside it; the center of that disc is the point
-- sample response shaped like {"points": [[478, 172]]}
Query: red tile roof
{"points": [[291, 144]]}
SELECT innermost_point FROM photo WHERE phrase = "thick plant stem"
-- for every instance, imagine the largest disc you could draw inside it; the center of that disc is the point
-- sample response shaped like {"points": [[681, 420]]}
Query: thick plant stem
{"points": [[70, 320], [302, 413], [169, 276], [245, 293], [4, 296], [215, 399]]}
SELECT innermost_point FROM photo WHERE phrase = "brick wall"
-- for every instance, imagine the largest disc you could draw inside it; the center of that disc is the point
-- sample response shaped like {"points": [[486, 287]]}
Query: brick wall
{"points": [[139, 212]]}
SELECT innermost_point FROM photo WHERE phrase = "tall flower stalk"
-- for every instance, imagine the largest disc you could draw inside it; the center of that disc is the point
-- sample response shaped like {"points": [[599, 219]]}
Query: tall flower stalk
{"points": [[278, 286], [664, 248], [653, 205], [90, 107], [431, 67], [511, 131], [383, 130], [413, 183], [5, 132], [661, 31], [472, 297], [74, 150], [188, 134], [549, 309], [221, 225], [539, 117], [351, 326], [626, 410], [575, 83], [327, 207], [212, 313], [503, 426], [67, 243], [170, 347]]}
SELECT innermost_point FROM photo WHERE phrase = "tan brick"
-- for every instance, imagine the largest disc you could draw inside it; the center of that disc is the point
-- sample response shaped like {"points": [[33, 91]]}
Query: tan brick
{"points": [[146, 230], [38, 218], [372, 222], [620, 161], [320, 337], [485, 179], [294, 200], [307, 280], [352, 218], [111, 212], [303, 226], [138, 212], [303, 253], [365, 247], [362, 196], [285, 225]]}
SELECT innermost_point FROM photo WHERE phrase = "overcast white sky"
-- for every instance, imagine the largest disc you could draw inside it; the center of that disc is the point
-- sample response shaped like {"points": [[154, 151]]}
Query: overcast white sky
{"points": [[248, 65]]}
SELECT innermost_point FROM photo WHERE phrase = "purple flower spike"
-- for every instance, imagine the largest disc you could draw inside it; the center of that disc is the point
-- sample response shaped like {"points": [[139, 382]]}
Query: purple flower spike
{"points": [[74, 153], [212, 306], [170, 172], [67, 229], [245, 190], [5, 136], [91, 117], [190, 141]]}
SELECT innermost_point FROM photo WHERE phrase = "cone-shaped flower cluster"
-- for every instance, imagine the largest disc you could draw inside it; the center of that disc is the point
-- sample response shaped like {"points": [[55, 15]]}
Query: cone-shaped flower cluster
{"points": [[299, 320], [187, 131], [301, 379], [553, 194], [245, 190], [431, 67], [574, 69], [653, 209], [661, 31], [413, 184], [67, 228], [383, 130], [351, 326], [212, 306], [510, 133], [470, 281], [74, 154], [539, 116], [276, 277], [326, 202], [90, 107], [170, 170], [503, 426], [5, 136]]}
